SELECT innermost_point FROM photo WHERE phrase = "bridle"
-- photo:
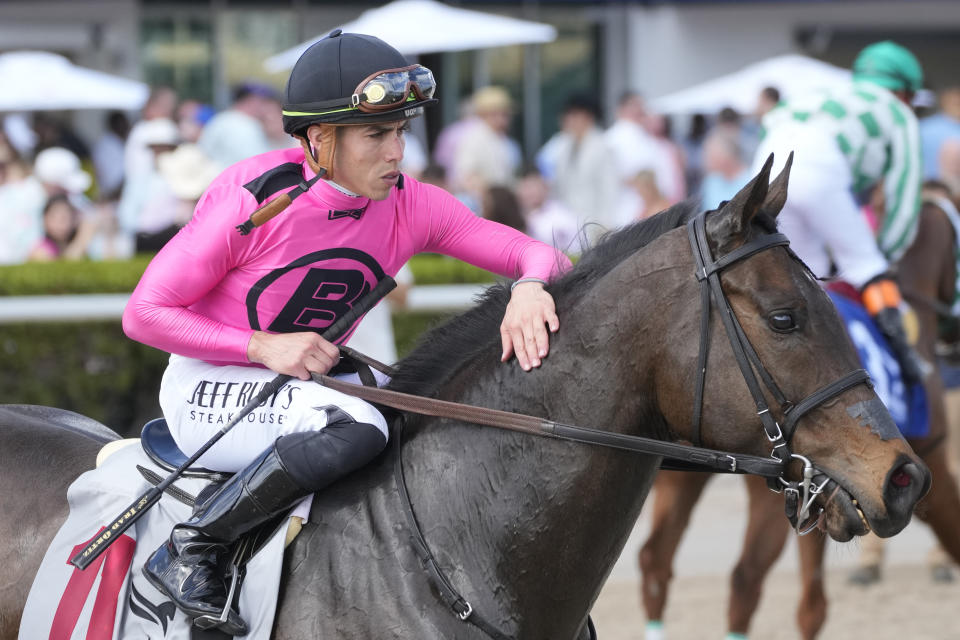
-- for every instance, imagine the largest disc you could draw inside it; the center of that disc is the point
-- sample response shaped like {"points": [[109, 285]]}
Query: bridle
{"points": [[800, 494]]}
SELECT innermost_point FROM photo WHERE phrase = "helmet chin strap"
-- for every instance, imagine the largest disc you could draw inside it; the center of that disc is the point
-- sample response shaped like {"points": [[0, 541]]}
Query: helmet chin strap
{"points": [[320, 160], [321, 164]]}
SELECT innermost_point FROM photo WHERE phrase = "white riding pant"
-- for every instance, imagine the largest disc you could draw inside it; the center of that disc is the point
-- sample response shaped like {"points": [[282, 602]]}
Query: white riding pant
{"points": [[198, 399], [821, 217]]}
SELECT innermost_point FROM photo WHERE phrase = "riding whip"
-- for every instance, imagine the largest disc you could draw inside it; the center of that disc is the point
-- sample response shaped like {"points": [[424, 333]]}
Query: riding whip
{"points": [[139, 506]]}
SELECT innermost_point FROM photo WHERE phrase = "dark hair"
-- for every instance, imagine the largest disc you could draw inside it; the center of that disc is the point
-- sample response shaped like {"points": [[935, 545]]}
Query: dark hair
{"points": [[582, 102], [933, 183], [434, 173], [771, 93], [118, 123], [728, 115], [500, 204], [248, 89], [698, 126], [58, 199]]}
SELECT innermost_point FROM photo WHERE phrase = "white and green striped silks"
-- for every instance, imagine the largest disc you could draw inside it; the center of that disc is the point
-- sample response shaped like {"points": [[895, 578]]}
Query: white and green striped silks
{"points": [[878, 136]]}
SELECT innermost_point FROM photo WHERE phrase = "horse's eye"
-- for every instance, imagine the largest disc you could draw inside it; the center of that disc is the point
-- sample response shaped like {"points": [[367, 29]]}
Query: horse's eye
{"points": [[782, 321]]}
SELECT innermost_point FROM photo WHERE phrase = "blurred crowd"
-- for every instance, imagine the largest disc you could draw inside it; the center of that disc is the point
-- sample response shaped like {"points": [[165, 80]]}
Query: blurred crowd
{"points": [[131, 189]]}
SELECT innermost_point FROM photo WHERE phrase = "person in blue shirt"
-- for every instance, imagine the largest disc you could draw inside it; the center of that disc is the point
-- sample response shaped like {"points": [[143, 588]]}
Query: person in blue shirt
{"points": [[937, 129]]}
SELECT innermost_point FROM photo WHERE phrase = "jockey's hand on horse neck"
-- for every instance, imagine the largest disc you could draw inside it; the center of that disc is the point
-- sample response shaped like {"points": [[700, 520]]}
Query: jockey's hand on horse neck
{"points": [[295, 354], [523, 330]]}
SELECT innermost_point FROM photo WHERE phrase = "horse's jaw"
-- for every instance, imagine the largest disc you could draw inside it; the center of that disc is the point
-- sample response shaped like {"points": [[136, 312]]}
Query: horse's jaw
{"points": [[842, 518]]}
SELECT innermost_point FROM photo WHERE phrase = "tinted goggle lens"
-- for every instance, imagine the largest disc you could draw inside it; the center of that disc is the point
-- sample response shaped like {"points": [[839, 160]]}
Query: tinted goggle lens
{"points": [[392, 88]]}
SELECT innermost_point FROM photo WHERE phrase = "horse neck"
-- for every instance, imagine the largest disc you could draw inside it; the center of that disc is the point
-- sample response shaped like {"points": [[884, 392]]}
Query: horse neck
{"points": [[528, 528]]}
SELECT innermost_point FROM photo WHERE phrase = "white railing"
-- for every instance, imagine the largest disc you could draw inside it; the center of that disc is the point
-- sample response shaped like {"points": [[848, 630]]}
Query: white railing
{"points": [[72, 308]]}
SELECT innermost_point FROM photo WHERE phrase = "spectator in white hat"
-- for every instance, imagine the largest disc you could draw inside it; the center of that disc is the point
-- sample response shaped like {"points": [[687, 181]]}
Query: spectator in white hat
{"points": [[56, 171], [160, 105], [187, 171], [60, 172]]}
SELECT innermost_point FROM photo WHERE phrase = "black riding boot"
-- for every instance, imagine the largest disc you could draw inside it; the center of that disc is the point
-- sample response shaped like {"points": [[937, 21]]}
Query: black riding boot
{"points": [[188, 568]]}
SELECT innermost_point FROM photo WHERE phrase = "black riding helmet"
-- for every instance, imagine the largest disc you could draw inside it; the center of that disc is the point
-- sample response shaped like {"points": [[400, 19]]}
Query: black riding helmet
{"points": [[322, 87]]}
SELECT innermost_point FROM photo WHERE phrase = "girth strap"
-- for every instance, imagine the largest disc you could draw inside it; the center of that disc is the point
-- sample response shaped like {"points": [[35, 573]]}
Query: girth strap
{"points": [[448, 593]]}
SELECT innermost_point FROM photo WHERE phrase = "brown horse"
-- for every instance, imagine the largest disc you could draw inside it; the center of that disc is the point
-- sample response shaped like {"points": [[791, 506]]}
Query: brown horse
{"points": [[528, 528], [928, 278]]}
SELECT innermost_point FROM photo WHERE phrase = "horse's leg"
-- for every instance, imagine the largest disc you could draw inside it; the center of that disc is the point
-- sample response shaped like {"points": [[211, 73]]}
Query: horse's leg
{"points": [[766, 535], [951, 398], [812, 609], [674, 495], [870, 569], [940, 508]]}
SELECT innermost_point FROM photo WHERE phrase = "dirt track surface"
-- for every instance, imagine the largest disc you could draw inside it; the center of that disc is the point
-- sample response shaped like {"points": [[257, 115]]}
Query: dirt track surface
{"points": [[905, 605]]}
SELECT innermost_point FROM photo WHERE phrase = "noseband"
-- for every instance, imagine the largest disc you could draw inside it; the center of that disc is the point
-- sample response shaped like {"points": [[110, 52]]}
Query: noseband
{"points": [[799, 494]]}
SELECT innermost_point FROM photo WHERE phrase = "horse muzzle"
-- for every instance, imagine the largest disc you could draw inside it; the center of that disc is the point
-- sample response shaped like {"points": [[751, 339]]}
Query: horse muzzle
{"points": [[847, 512]]}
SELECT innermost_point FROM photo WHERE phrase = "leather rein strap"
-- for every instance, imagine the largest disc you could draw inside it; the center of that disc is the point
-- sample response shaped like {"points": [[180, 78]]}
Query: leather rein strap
{"points": [[705, 459]]}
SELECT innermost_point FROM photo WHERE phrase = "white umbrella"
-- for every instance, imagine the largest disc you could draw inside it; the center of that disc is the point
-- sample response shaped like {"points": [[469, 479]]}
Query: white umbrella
{"points": [[426, 26], [38, 80], [790, 74]]}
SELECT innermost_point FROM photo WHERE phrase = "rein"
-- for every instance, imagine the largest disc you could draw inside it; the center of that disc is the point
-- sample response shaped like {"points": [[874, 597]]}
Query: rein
{"points": [[799, 495], [704, 459]]}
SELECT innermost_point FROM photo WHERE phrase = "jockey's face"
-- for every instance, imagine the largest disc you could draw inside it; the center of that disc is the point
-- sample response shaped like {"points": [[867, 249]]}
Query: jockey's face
{"points": [[367, 157]]}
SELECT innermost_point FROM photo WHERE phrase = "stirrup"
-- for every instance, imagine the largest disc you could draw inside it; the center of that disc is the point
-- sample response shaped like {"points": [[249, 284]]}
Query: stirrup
{"points": [[208, 621]]}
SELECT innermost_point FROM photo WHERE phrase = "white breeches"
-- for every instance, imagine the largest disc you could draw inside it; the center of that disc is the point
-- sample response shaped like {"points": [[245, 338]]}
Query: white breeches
{"points": [[198, 399]]}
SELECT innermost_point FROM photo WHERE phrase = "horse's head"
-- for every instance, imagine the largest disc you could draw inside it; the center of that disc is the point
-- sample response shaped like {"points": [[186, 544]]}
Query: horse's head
{"points": [[800, 370]]}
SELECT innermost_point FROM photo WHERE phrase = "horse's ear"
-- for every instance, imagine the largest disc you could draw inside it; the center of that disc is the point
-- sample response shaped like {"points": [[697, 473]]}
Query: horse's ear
{"points": [[777, 193], [730, 224]]}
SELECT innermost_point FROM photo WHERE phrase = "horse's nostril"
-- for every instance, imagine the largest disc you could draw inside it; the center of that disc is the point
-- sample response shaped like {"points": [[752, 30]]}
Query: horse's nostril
{"points": [[901, 479], [909, 479]]}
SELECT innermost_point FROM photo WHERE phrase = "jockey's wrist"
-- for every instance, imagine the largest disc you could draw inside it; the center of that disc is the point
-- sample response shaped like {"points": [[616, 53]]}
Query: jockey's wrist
{"points": [[880, 293], [526, 280], [253, 347]]}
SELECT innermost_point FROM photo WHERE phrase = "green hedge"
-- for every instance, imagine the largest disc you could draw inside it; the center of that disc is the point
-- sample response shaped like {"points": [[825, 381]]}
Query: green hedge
{"points": [[94, 369], [112, 276], [90, 368]]}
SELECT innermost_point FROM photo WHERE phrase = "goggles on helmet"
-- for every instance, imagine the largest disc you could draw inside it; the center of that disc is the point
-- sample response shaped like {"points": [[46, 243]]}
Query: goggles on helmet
{"points": [[379, 97], [391, 88]]}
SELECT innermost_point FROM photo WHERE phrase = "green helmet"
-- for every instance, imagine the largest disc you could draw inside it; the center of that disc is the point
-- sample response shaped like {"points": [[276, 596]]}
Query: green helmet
{"points": [[889, 65]]}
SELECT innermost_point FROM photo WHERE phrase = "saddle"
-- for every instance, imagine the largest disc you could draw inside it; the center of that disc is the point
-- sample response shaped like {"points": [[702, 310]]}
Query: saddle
{"points": [[158, 444], [161, 448]]}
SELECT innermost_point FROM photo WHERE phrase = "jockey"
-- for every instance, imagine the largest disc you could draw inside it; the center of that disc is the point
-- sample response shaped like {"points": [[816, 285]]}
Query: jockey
{"points": [[846, 141], [236, 308]]}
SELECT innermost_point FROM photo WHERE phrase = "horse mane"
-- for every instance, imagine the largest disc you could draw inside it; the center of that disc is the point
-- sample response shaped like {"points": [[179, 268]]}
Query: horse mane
{"points": [[444, 350]]}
